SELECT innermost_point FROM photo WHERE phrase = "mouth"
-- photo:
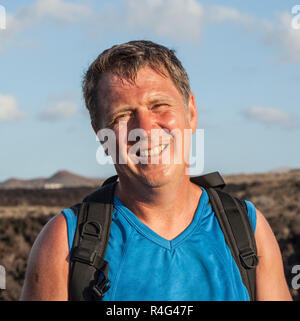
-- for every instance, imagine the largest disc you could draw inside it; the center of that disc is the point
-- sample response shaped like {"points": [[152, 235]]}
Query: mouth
{"points": [[150, 156], [151, 152]]}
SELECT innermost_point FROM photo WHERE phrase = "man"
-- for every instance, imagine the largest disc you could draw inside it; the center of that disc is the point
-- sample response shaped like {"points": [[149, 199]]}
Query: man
{"points": [[165, 242]]}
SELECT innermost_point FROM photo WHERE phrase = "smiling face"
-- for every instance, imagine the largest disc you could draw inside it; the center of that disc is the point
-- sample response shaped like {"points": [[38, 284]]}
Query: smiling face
{"points": [[150, 106]]}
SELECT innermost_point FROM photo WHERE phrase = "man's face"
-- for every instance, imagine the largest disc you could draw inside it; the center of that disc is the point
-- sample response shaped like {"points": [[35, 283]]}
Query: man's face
{"points": [[149, 119]]}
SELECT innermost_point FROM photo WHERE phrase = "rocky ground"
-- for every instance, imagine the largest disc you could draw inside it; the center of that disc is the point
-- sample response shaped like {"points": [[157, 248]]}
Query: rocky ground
{"points": [[23, 213]]}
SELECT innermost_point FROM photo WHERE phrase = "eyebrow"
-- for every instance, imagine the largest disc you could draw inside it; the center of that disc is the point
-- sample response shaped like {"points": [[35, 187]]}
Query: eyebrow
{"points": [[122, 109], [160, 99]]}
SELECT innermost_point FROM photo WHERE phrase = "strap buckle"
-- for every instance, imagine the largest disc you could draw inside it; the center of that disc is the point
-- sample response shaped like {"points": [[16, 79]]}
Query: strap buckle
{"points": [[248, 259], [99, 289]]}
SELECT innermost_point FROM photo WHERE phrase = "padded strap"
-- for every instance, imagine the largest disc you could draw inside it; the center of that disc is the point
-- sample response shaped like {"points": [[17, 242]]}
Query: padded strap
{"points": [[88, 270], [209, 180], [234, 221]]}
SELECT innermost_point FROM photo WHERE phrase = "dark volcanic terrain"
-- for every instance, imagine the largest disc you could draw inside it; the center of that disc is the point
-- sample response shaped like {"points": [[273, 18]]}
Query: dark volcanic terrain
{"points": [[23, 213]]}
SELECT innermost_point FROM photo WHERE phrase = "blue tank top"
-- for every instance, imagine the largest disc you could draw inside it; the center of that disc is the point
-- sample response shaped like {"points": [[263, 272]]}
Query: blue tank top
{"points": [[197, 265]]}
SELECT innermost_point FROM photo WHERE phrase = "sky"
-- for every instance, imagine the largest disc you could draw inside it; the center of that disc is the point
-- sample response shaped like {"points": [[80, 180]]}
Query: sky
{"points": [[242, 58]]}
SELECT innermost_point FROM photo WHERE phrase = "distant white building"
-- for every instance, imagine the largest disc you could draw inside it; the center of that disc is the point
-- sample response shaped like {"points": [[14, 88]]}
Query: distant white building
{"points": [[53, 185]]}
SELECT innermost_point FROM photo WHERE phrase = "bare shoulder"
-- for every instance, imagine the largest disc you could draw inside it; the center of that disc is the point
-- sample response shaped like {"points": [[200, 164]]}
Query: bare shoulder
{"points": [[266, 242], [271, 283], [48, 263]]}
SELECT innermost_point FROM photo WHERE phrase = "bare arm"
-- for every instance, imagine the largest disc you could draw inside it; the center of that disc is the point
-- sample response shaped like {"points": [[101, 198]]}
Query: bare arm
{"points": [[47, 270], [270, 279]]}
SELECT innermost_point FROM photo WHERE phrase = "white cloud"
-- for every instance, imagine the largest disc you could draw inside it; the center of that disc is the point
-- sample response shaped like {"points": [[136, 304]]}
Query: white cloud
{"points": [[182, 20], [270, 116], [179, 19], [9, 108], [285, 37], [220, 14], [60, 11], [186, 19], [59, 111], [277, 32]]}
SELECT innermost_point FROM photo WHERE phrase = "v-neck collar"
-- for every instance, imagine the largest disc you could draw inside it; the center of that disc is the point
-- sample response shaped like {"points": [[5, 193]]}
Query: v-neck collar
{"points": [[153, 236]]}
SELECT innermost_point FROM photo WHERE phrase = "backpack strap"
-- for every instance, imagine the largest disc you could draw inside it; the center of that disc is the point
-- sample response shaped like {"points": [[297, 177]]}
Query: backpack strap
{"points": [[209, 180], [234, 221], [88, 269]]}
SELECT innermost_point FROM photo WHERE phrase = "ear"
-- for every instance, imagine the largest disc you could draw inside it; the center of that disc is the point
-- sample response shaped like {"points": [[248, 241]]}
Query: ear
{"points": [[193, 116]]}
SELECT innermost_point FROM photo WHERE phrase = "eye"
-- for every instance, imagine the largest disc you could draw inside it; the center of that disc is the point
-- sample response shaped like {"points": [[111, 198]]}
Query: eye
{"points": [[160, 106], [120, 116], [116, 119]]}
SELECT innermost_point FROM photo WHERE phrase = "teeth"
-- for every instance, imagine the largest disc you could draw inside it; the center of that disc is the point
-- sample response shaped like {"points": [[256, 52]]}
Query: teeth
{"points": [[152, 152]]}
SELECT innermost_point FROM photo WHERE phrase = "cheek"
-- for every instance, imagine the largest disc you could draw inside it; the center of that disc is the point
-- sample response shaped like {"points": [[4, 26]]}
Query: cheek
{"points": [[171, 121]]}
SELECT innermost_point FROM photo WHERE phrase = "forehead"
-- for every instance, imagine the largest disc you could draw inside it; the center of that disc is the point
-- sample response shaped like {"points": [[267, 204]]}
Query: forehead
{"points": [[113, 91]]}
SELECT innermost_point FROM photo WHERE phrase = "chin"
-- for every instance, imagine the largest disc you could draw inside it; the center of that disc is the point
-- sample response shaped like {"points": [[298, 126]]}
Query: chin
{"points": [[160, 177], [155, 183]]}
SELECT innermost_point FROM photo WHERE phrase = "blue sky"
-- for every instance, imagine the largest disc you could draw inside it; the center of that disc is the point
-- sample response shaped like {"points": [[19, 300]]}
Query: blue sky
{"points": [[242, 57]]}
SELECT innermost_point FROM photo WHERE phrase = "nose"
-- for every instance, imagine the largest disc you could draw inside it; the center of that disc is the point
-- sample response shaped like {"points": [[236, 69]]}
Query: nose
{"points": [[144, 121]]}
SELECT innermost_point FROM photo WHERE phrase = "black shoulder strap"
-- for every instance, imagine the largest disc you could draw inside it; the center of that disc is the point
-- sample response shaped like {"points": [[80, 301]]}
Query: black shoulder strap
{"points": [[88, 270], [234, 221], [209, 180]]}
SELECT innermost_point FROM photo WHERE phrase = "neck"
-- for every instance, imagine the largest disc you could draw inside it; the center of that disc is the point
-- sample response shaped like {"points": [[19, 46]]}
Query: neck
{"points": [[166, 209]]}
